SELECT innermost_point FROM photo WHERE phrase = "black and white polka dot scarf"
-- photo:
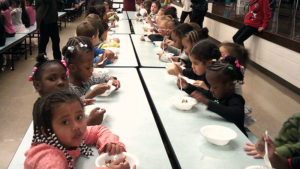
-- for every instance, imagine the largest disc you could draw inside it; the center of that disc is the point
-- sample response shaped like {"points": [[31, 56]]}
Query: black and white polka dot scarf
{"points": [[52, 140]]}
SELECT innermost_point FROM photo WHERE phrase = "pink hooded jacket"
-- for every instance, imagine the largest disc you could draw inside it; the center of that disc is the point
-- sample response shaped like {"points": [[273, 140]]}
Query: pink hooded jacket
{"points": [[44, 156]]}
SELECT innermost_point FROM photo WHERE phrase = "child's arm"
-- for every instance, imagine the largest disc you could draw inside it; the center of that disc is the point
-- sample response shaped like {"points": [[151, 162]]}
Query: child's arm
{"points": [[267, 15], [101, 88], [102, 137]]}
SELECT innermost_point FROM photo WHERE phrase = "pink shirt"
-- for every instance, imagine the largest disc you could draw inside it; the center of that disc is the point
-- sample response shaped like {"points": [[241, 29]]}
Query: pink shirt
{"points": [[31, 13], [9, 27], [44, 156]]}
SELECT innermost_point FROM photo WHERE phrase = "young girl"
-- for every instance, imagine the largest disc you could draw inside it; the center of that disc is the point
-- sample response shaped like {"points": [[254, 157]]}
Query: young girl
{"points": [[222, 77], [79, 55], [256, 20], [49, 76], [8, 26], [110, 13], [31, 11], [16, 16], [235, 50], [61, 134], [202, 55], [154, 10]]}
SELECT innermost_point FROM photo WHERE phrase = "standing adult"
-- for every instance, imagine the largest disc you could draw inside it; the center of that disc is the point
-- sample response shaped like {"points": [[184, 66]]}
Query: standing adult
{"points": [[256, 20], [128, 5], [186, 10], [46, 18], [199, 9]]}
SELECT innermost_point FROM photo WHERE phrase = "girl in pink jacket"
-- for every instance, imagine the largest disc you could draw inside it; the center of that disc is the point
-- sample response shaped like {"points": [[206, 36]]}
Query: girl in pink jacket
{"points": [[61, 134]]}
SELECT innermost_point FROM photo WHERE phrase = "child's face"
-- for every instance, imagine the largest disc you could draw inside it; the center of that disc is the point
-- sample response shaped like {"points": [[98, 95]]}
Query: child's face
{"points": [[154, 8], [104, 36], [218, 89], [69, 123], [53, 79], [162, 29], [177, 40], [160, 13], [199, 68], [186, 46], [170, 27], [224, 51], [84, 68]]}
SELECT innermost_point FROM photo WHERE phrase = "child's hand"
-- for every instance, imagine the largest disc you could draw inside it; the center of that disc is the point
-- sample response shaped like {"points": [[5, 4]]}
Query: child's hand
{"points": [[174, 69], [148, 19], [183, 84], [260, 29], [199, 97], [200, 83], [101, 88], [108, 54], [96, 116], [116, 83], [88, 101], [160, 55], [142, 38], [120, 164], [251, 150], [260, 146], [112, 149], [164, 45], [174, 58], [116, 40]]}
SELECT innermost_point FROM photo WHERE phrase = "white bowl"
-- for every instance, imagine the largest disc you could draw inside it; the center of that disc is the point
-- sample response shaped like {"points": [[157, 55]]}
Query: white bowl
{"points": [[100, 160], [166, 57], [218, 135], [257, 167], [179, 102], [99, 72], [107, 92]]}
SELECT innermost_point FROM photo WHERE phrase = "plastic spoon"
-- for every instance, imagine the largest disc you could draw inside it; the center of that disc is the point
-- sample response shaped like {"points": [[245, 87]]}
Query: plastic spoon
{"points": [[102, 61], [266, 156]]}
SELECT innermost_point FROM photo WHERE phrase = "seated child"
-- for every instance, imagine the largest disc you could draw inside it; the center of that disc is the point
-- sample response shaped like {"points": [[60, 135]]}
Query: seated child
{"points": [[16, 16], [222, 77], [79, 54], [8, 25], [155, 7], [31, 11], [276, 160], [86, 28], [49, 76], [287, 142], [111, 15], [202, 55], [61, 134]]}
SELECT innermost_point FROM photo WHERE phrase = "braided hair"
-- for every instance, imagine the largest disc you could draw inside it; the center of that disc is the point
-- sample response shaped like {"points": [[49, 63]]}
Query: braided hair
{"points": [[205, 50], [75, 44], [43, 112], [227, 71], [196, 35], [41, 65]]}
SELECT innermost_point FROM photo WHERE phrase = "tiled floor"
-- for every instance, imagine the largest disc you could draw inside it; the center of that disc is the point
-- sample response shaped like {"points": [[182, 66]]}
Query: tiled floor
{"points": [[271, 102]]}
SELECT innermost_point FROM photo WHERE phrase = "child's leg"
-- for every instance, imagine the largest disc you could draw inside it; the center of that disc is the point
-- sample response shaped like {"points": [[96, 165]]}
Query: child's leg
{"points": [[243, 34]]}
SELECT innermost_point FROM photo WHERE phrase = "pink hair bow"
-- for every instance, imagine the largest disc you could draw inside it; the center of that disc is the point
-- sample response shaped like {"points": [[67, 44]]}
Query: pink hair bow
{"points": [[30, 78]]}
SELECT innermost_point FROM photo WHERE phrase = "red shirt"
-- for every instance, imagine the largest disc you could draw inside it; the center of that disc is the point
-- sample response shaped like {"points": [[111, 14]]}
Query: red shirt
{"points": [[259, 14], [129, 5]]}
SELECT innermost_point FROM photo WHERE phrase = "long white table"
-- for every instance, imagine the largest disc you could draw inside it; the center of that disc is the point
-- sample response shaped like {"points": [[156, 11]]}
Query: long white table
{"points": [[129, 116], [123, 15], [183, 128], [126, 54], [131, 14], [122, 27], [147, 52], [138, 27]]}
